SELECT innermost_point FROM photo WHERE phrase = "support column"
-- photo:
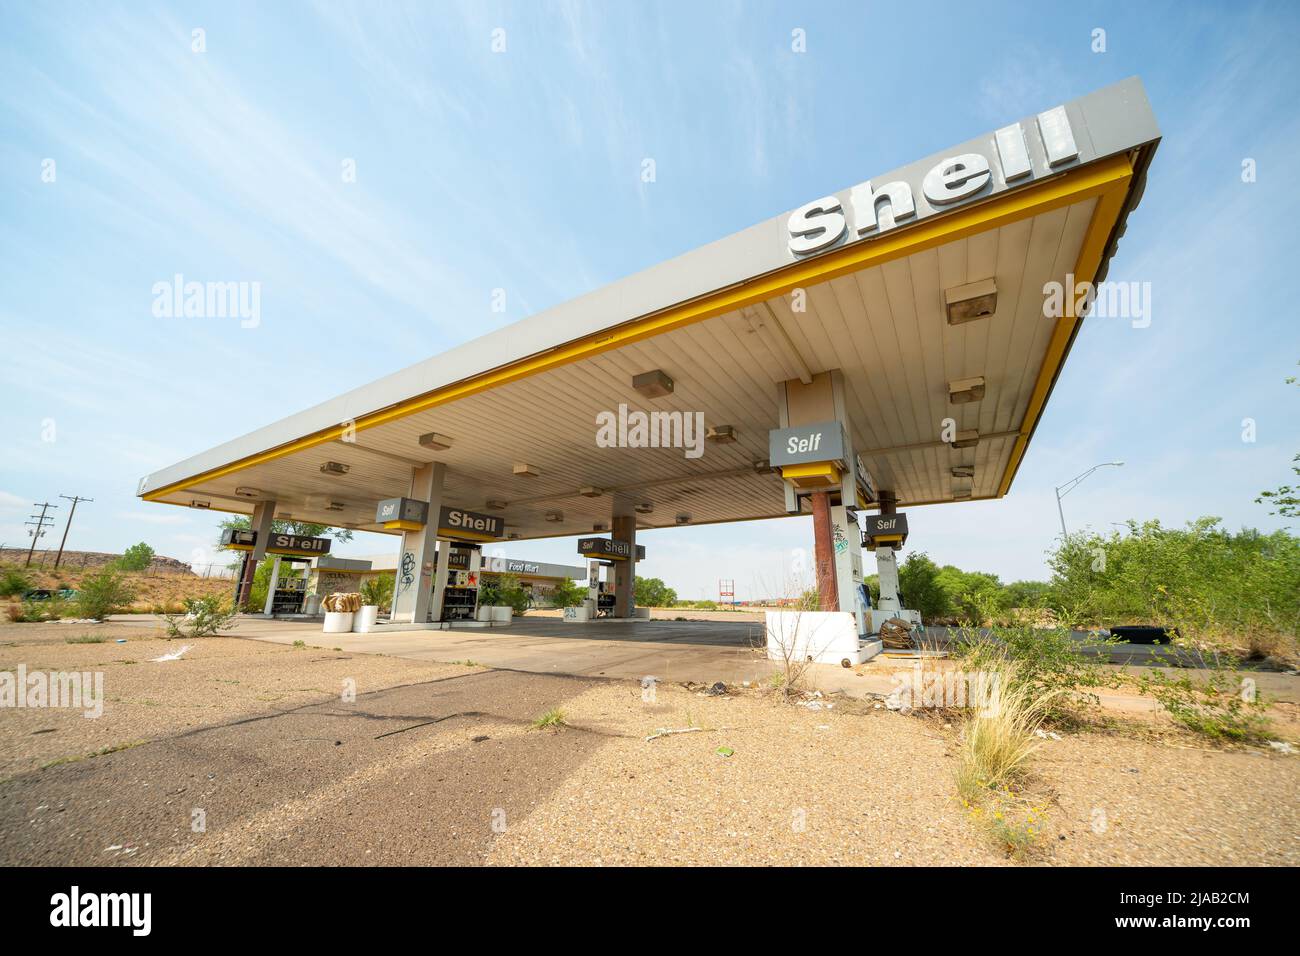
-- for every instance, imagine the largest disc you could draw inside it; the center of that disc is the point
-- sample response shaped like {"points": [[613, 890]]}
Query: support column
{"points": [[270, 590], [263, 516], [824, 552], [413, 591], [441, 573], [887, 561], [625, 571]]}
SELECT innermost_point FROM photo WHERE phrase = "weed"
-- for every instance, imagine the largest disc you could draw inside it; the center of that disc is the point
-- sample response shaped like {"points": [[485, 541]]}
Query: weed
{"points": [[552, 718]]}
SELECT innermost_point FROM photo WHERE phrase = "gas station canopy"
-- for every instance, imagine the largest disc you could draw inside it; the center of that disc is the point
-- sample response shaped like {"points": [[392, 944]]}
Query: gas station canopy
{"points": [[924, 287]]}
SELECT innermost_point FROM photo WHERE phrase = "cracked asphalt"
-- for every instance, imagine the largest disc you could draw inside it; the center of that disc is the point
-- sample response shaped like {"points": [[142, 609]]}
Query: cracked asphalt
{"points": [[418, 774]]}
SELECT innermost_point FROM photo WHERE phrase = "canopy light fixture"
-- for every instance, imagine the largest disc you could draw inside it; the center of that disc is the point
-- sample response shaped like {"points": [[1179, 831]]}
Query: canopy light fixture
{"points": [[682, 518], [721, 434], [600, 526], [963, 391], [246, 492], [653, 384], [335, 506], [963, 471], [512, 535], [435, 442], [975, 300], [967, 439], [335, 468], [763, 467], [200, 504], [961, 492], [495, 504], [554, 516], [590, 491], [523, 470], [644, 507]]}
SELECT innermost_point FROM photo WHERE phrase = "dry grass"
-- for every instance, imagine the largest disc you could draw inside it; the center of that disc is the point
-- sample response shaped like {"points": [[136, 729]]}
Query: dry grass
{"points": [[155, 592], [999, 737]]}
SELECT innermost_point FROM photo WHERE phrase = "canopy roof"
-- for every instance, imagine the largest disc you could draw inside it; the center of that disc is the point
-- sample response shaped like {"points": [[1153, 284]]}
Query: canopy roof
{"points": [[728, 322]]}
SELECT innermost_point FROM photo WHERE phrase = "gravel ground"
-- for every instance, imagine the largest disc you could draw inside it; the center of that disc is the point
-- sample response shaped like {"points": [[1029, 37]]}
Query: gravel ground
{"points": [[876, 788], [438, 763]]}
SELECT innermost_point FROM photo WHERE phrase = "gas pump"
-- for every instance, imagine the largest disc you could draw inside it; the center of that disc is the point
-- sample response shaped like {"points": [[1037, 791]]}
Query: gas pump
{"points": [[886, 534]]}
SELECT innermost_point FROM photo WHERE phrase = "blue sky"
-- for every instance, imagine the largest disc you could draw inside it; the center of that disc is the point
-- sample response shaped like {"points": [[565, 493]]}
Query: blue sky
{"points": [[520, 170]]}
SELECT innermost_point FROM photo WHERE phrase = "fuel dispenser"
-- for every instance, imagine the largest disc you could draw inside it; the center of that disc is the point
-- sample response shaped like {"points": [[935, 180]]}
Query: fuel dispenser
{"points": [[886, 534]]}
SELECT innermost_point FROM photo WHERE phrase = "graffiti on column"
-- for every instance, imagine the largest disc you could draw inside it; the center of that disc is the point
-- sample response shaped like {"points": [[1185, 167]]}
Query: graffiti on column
{"points": [[407, 577]]}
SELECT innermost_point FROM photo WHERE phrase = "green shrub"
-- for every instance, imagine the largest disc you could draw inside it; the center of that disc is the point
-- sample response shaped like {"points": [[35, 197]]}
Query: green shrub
{"points": [[504, 591], [652, 592], [13, 581], [33, 612], [567, 594], [1215, 702], [1048, 662], [379, 591], [103, 593], [203, 617], [1201, 578]]}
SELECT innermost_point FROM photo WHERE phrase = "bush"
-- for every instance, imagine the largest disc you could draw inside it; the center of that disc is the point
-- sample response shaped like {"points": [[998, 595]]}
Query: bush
{"points": [[379, 591], [103, 593], [505, 591], [138, 557], [1214, 701], [13, 581], [1048, 662], [33, 612], [567, 594], [652, 592], [203, 617], [1209, 582]]}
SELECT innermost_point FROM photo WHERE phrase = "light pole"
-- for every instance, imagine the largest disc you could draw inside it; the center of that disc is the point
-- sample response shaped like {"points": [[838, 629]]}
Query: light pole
{"points": [[1069, 486]]}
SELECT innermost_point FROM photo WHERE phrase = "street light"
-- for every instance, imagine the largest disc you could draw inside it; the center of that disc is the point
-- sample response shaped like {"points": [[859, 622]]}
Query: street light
{"points": [[1073, 483]]}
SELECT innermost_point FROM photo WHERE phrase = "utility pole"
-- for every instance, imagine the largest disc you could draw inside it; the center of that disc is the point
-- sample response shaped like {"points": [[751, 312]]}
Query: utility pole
{"points": [[38, 527], [74, 499]]}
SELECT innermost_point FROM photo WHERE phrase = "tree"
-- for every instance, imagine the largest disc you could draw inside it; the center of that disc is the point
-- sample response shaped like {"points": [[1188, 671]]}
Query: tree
{"points": [[138, 557], [1027, 594], [652, 592], [567, 594], [1285, 498], [918, 580]]}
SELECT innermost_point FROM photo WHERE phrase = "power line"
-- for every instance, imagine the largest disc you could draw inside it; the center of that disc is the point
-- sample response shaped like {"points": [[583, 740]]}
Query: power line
{"points": [[38, 527], [75, 499]]}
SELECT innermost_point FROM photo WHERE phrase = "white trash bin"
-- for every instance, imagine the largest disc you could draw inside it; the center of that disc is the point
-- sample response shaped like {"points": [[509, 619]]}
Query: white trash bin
{"points": [[339, 622]]}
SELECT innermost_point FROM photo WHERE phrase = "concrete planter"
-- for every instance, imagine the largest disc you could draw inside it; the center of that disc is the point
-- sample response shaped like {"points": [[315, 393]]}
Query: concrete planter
{"points": [[823, 637], [365, 619], [495, 614], [339, 622], [582, 612]]}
